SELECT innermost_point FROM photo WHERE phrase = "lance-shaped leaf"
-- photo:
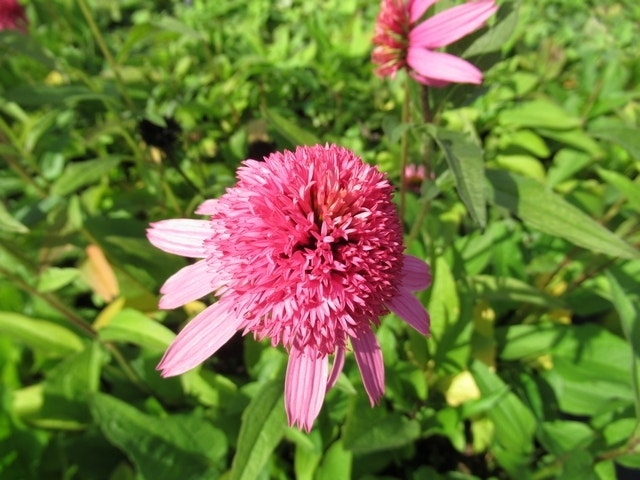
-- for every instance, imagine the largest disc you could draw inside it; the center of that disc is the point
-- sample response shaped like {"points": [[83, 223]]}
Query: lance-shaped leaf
{"points": [[546, 211]]}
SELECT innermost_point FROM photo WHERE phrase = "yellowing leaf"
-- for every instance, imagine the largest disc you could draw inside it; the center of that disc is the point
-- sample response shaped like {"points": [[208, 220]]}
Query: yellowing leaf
{"points": [[462, 389], [98, 273]]}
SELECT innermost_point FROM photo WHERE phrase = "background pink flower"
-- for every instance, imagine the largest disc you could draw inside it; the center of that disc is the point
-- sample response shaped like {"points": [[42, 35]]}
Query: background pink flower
{"points": [[401, 41], [306, 250], [12, 16]]}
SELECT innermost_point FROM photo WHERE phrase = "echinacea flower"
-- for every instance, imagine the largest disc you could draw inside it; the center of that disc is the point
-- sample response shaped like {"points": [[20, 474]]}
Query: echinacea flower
{"points": [[12, 16], [401, 41], [306, 250], [414, 176]]}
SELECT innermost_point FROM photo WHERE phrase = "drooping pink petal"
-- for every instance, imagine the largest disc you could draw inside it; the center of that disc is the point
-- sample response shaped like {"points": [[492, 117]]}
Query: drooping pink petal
{"points": [[200, 339], [181, 236], [452, 24], [416, 274], [305, 387], [186, 285], [409, 308], [336, 369], [418, 7], [369, 359], [208, 207], [442, 67]]}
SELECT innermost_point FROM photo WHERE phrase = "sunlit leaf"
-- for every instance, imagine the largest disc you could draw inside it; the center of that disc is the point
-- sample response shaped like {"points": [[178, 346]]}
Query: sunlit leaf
{"points": [[289, 130], [177, 446], [131, 326], [466, 162], [371, 430], [263, 426], [78, 175], [46, 337], [543, 209]]}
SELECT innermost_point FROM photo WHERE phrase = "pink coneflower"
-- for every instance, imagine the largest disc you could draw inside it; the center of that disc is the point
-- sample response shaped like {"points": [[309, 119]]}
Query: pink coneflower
{"points": [[414, 176], [12, 16], [306, 250], [401, 42]]}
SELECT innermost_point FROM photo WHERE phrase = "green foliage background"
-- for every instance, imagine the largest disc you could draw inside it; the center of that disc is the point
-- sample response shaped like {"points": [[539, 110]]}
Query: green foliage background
{"points": [[115, 114]]}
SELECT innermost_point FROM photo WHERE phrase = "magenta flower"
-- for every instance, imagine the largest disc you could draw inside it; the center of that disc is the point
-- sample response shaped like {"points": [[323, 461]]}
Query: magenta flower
{"points": [[12, 16], [306, 250], [414, 176], [403, 42]]}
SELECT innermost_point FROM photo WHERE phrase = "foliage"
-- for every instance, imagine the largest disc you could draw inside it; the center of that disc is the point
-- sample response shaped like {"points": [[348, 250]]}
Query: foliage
{"points": [[115, 114]]}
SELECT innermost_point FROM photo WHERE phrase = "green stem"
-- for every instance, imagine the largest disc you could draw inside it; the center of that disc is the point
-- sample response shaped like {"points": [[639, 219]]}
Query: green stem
{"points": [[13, 163], [105, 51], [53, 301], [415, 228], [404, 146], [427, 113]]}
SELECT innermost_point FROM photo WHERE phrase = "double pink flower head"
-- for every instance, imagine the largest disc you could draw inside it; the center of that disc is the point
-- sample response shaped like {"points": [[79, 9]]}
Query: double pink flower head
{"points": [[12, 16], [306, 250], [402, 41]]}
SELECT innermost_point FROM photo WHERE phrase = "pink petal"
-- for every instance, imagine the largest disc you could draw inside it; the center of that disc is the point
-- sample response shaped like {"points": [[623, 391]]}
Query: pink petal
{"points": [[305, 387], [208, 207], [452, 24], [186, 285], [200, 339], [369, 359], [407, 307], [336, 369], [442, 67], [416, 274], [181, 236], [418, 7]]}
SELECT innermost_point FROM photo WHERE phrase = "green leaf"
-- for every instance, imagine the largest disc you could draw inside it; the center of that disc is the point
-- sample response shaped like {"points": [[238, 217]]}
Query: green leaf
{"points": [[524, 140], [592, 385], [526, 165], [629, 313], [132, 326], [538, 113], [514, 423], [263, 426], [10, 224], [625, 137], [187, 447], [336, 463], [80, 174], [576, 138], [578, 464], [307, 456], [172, 24], [289, 130], [560, 437], [375, 429], [624, 185], [46, 337], [54, 278], [513, 290], [543, 209], [62, 96], [450, 331], [495, 37], [14, 42], [465, 160], [64, 394]]}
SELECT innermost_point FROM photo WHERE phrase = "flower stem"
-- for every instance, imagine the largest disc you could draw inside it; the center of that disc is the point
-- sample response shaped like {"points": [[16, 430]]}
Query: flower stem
{"points": [[105, 51], [404, 146], [427, 113]]}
